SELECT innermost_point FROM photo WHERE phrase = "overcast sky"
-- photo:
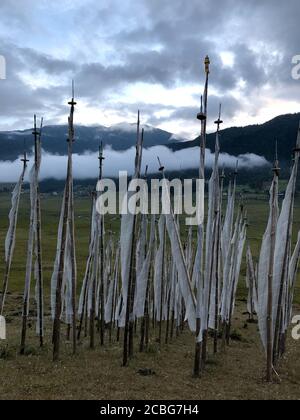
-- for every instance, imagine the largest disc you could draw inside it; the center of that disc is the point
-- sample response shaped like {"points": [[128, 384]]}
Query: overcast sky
{"points": [[148, 54]]}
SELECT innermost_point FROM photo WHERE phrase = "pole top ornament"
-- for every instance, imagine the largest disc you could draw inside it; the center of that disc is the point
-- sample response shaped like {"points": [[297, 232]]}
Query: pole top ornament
{"points": [[207, 64]]}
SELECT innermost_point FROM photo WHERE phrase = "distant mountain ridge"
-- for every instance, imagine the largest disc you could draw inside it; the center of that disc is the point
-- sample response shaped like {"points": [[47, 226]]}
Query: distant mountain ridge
{"points": [[119, 137], [257, 139]]}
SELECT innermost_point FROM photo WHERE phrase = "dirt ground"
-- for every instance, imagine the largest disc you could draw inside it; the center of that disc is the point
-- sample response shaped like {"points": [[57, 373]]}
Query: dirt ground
{"points": [[94, 375]]}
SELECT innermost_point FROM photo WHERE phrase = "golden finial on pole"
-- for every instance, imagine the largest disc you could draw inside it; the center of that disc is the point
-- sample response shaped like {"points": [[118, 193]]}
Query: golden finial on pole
{"points": [[207, 64]]}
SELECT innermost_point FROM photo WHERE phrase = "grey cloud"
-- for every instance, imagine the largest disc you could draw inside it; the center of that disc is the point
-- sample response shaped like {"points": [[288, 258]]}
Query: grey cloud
{"points": [[229, 107], [36, 61], [155, 42], [18, 100]]}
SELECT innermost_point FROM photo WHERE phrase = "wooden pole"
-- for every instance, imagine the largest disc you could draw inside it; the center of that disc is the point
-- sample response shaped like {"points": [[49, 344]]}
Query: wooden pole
{"points": [[129, 328], [202, 117], [217, 303], [270, 275], [74, 273], [115, 288], [205, 334], [102, 247], [147, 311], [133, 271], [11, 244], [129, 321], [72, 222], [58, 300], [40, 283], [66, 209], [168, 317], [30, 249], [213, 274], [278, 324], [218, 244], [93, 305], [145, 320], [95, 279], [88, 274], [162, 289]]}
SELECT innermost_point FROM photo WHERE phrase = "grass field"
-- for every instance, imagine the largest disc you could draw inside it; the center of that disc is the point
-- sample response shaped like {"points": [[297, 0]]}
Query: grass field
{"points": [[97, 374]]}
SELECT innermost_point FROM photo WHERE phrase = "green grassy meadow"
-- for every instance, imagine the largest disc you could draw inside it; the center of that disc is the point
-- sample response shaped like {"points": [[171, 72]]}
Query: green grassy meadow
{"points": [[51, 207], [257, 212], [98, 374]]}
